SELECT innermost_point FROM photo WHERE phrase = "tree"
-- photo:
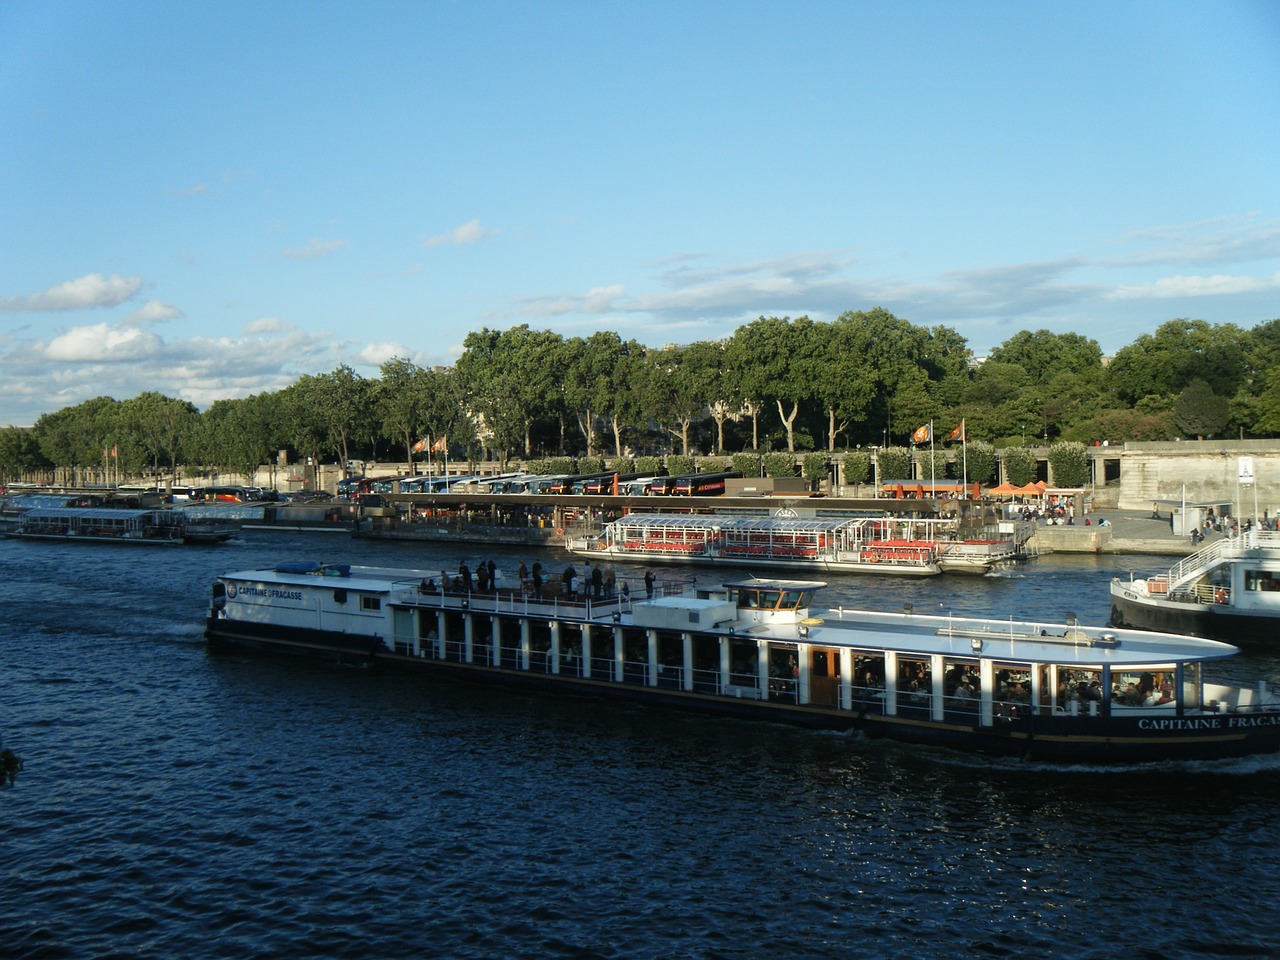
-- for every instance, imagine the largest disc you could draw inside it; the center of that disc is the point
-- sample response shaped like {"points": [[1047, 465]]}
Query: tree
{"points": [[1045, 356], [400, 401], [1200, 411], [1070, 464], [1019, 465], [157, 425], [512, 378], [330, 409], [784, 366], [1178, 352], [19, 453]]}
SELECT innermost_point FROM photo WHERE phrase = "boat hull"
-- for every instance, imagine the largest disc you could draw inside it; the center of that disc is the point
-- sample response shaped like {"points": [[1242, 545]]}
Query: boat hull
{"points": [[1055, 739], [810, 564], [1211, 621]]}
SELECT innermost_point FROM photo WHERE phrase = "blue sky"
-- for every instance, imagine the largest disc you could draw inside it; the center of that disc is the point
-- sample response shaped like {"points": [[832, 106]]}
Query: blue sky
{"points": [[210, 199]]}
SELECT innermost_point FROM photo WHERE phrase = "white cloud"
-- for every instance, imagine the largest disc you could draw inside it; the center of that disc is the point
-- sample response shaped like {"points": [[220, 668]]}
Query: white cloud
{"points": [[268, 325], [469, 232], [102, 343], [376, 354], [1218, 285], [316, 249], [153, 311], [91, 290]]}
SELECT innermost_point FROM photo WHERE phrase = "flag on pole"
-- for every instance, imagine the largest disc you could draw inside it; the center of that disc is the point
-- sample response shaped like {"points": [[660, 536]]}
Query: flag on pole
{"points": [[923, 434], [420, 446], [957, 433], [441, 444]]}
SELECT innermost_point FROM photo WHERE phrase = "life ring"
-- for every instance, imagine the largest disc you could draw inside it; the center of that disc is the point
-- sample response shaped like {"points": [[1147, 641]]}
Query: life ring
{"points": [[873, 557], [1220, 595], [559, 531]]}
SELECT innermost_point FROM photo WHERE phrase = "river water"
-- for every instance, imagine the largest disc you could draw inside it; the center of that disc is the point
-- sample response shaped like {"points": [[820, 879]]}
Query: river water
{"points": [[181, 804]]}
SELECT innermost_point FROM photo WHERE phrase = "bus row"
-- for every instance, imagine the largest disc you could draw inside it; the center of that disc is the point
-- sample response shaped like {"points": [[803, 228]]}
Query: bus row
{"points": [[615, 484]]}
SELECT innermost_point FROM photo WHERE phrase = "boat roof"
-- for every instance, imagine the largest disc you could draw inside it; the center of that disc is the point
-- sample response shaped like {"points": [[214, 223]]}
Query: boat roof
{"points": [[761, 583], [774, 524], [86, 513], [909, 634]]}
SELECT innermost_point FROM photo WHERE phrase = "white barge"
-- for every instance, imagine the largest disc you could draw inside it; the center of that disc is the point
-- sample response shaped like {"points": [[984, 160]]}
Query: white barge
{"points": [[756, 649], [161, 527], [1228, 590], [885, 545]]}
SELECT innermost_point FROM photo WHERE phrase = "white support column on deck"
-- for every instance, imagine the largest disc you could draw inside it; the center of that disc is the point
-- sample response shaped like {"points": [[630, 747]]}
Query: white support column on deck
{"points": [[468, 638], [987, 677], [726, 644], [555, 646], [586, 649], [762, 668], [526, 644], [846, 679], [495, 641], [937, 698], [890, 683], [651, 667], [1036, 689], [804, 656], [618, 668], [686, 658], [441, 634]]}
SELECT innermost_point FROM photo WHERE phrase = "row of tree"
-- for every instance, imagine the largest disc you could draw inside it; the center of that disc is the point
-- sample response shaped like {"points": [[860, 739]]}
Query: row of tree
{"points": [[863, 379]]}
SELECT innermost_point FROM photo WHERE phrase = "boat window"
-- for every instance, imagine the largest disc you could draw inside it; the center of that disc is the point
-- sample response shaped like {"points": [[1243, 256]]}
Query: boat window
{"points": [[370, 603], [915, 683], [961, 680], [1077, 686], [1263, 580], [1143, 688], [1012, 694]]}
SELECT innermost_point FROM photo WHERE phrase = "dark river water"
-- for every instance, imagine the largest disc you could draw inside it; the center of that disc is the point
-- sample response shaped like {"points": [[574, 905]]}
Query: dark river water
{"points": [[181, 804]]}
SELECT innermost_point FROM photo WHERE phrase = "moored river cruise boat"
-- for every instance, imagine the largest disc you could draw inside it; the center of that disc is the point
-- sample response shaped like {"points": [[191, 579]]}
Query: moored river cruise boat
{"points": [[756, 649], [887, 545], [1228, 590], [117, 525]]}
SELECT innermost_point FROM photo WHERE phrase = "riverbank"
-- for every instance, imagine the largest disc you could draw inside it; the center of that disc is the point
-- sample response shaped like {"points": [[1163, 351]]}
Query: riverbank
{"points": [[1125, 531]]}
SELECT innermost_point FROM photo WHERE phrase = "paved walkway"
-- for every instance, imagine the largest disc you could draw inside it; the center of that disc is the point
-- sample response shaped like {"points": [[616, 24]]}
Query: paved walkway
{"points": [[1127, 531]]}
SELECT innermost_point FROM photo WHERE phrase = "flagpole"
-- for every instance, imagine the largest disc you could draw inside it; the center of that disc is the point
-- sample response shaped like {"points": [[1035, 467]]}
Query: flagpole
{"points": [[964, 453], [933, 479]]}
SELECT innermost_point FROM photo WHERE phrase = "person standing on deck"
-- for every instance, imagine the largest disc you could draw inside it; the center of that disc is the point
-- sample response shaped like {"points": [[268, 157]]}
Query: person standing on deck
{"points": [[648, 584]]}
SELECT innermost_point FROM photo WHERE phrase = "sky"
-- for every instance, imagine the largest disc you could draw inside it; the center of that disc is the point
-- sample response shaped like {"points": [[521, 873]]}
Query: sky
{"points": [[209, 200]]}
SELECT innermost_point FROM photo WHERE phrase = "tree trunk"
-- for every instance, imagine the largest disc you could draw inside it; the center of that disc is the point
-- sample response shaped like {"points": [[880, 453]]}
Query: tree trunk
{"points": [[790, 423]]}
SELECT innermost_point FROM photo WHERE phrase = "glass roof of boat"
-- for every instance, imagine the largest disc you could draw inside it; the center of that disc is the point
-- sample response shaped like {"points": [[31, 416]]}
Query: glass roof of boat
{"points": [[84, 513], [775, 524]]}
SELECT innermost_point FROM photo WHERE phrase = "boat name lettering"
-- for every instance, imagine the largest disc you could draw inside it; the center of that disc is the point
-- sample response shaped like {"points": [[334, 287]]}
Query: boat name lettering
{"points": [[1270, 720], [272, 593], [1210, 723]]}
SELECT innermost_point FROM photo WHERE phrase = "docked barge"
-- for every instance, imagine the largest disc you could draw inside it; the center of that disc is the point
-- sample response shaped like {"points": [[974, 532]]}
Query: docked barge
{"points": [[755, 649], [1228, 590]]}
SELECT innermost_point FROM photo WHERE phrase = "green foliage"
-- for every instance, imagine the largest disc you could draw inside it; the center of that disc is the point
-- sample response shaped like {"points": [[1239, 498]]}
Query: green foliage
{"points": [[591, 464], [895, 464], [980, 460], [561, 466], [19, 453], [931, 464], [1199, 411], [679, 465], [649, 466], [746, 463], [857, 467], [779, 464], [815, 466], [1069, 463], [621, 465], [1019, 465]]}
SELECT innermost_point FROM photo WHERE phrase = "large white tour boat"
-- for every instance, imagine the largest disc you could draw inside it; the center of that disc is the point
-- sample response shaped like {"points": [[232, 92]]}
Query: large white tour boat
{"points": [[893, 545], [755, 649], [1228, 590]]}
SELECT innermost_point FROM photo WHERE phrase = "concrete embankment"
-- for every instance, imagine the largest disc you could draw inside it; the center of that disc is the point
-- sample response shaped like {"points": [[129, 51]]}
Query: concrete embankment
{"points": [[1125, 531]]}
